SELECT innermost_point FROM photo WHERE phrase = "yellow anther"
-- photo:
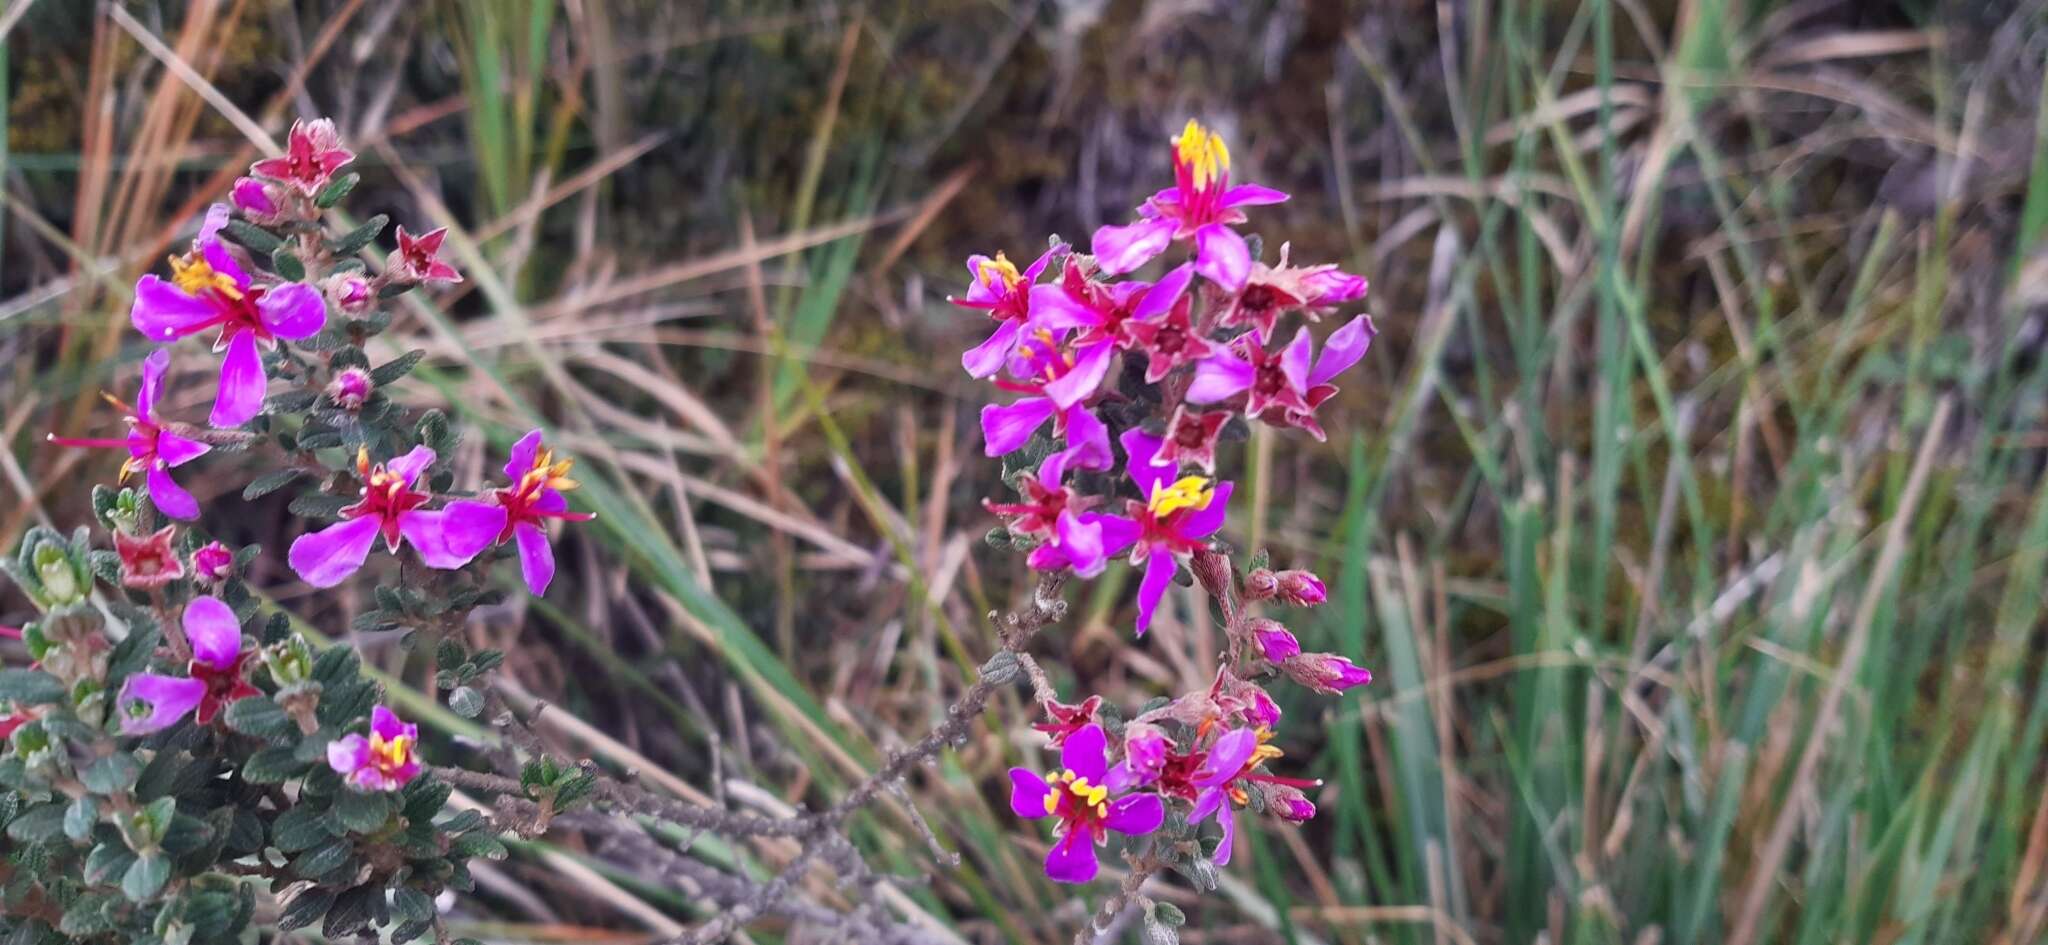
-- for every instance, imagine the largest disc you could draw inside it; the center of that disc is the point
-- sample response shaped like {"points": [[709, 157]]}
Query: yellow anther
{"points": [[194, 275], [999, 273], [394, 752], [1191, 492], [1204, 153]]}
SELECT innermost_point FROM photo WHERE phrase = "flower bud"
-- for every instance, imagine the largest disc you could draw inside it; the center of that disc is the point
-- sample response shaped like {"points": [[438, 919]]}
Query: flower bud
{"points": [[261, 202], [1063, 720], [1325, 672], [62, 582], [1288, 803], [1275, 643], [350, 387], [212, 563], [1301, 588], [350, 293], [290, 662], [1261, 584], [1145, 748]]}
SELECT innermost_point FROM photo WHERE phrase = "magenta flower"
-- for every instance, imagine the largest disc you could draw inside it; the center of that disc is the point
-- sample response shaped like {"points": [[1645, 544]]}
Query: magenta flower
{"points": [[1104, 317], [1272, 291], [312, 154], [1225, 779], [538, 481], [1200, 206], [1005, 294], [152, 702], [1283, 388], [1080, 797], [1063, 720], [445, 538], [153, 449], [208, 289], [1044, 498], [1176, 517], [1191, 438], [1005, 429], [418, 258], [385, 761], [1169, 342]]}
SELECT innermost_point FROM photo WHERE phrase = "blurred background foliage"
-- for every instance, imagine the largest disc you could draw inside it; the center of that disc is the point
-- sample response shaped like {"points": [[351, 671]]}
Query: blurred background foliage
{"points": [[1689, 508]]}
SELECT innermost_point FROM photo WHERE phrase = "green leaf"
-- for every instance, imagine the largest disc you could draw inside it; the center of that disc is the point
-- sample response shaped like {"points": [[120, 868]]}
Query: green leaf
{"points": [[306, 908], [412, 905], [90, 915], [287, 265], [478, 843], [301, 828], [351, 911], [424, 799], [397, 367], [258, 717], [115, 772], [256, 239], [466, 702], [325, 859], [29, 687], [335, 190], [271, 481], [81, 817], [274, 765], [362, 811], [315, 505], [336, 665], [145, 877], [354, 241], [38, 824]]}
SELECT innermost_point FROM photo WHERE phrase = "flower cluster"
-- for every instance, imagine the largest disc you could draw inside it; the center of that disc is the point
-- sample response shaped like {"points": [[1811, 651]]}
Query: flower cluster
{"points": [[155, 720], [1145, 378]]}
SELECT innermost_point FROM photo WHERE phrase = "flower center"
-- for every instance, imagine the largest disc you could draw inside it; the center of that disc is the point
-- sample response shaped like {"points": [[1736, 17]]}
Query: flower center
{"points": [[1203, 152], [999, 273], [192, 273], [390, 755], [1270, 380], [1086, 799], [1191, 492]]}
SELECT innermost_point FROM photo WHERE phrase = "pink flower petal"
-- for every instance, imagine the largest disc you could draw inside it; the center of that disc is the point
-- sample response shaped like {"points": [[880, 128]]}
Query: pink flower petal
{"points": [[1085, 753], [1251, 195], [168, 497], [1139, 450], [348, 754], [168, 699], [1087, 440], [1220, 377], [215, 633], [1081, 540], [1222, 257], [1228, 821], [326, 557], [1342, 349], [240, 397], [1135, 815], [163, 311], [386, 724], [409, 466], [294, 310], [1027, 794], [1294, 360], [1159, 571], [1081, 380], [1227, 757], [153, 368], [987, 358], [1159, 299], [449, 538], [222, 261], [1053, 307], [176, 450], [536, 557], [1037, 267], [1072, 860], [522, 455], [1005, 429], [1120, 249], [1204, 521], [216, 217]]}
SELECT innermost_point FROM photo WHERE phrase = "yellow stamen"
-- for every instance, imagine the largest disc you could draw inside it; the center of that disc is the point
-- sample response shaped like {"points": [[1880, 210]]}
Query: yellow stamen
{"points": [[1191, 492], [1000, 273], [1204, 153], [392, 753], [194, 275]]}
